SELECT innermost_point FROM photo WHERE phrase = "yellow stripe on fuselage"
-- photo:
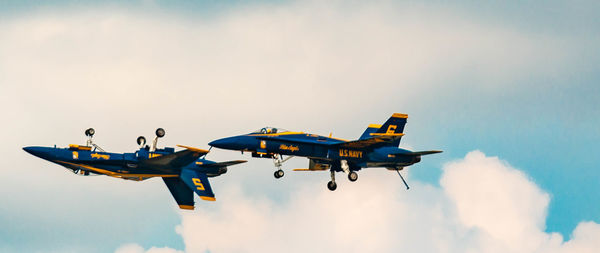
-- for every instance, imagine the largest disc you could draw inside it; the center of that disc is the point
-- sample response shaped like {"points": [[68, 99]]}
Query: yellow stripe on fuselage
{"points": [[297, 133], [116, 174], [276, 134]]}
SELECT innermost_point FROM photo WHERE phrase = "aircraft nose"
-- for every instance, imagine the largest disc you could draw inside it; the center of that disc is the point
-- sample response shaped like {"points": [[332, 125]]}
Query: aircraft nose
{"points": [[225, 143], [40, 152]]}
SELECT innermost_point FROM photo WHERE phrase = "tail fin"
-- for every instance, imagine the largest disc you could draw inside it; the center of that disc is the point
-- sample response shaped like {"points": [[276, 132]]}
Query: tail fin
{"points": [[371, 129], [394, 125]]}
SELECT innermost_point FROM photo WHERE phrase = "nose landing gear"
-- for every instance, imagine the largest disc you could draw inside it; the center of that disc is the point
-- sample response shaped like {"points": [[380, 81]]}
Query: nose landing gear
{"points": [[278, 161]]}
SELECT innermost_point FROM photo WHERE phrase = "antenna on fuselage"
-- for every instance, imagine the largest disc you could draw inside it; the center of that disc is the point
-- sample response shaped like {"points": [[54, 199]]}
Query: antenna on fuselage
{"points": [[90, 134], [159, 134]]}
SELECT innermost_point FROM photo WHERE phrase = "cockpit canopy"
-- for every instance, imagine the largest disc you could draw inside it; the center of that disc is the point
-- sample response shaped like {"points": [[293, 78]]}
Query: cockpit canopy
{"points": [[270, 130]]}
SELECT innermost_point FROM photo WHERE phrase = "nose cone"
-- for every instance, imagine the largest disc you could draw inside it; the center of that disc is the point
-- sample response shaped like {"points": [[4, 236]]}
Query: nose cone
{"points": [[233, 143], [41, 152]]}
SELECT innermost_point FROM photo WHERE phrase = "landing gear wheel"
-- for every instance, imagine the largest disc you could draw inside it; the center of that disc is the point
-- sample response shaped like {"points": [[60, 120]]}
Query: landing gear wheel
{"points": [[353, 176], [331, 186], [90, 132], [278, 173], [160, 132]]}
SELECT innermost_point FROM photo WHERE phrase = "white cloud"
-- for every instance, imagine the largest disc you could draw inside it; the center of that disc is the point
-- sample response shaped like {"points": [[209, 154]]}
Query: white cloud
{"points": [[483, 205], [134, 248], [310, 66]]}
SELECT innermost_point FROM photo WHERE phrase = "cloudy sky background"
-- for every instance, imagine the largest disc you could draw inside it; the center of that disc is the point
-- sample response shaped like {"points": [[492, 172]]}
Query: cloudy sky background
{"points": [[508, 91]]}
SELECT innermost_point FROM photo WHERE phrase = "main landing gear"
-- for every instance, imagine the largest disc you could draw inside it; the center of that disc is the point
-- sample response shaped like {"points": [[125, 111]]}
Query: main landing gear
{"points": [[278, 161], [332, 185], [352, 175]]}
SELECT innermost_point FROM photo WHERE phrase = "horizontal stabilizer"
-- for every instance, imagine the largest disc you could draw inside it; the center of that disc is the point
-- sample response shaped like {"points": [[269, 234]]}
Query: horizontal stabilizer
{"points": [[183, 195], [222, 164], [418, 153], [177, 159]]}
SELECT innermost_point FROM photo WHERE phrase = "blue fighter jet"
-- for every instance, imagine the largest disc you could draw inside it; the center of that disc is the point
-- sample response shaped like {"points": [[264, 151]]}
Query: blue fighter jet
{"points": [[184, 172], [376, 147]]}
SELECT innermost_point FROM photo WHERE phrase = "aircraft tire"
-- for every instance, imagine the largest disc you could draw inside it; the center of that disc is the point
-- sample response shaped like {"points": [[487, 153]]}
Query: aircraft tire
{"points": [[353, 176], [160, 132], [141, 140], [331, 186], [279, 173]]}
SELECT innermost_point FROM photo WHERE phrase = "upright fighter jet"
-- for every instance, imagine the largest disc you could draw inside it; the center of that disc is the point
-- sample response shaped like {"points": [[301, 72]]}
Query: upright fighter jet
{"points": [[376, 147]]}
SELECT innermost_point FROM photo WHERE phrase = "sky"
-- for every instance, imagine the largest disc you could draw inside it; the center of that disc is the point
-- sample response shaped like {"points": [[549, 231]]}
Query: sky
{"points": [[508, 90]]}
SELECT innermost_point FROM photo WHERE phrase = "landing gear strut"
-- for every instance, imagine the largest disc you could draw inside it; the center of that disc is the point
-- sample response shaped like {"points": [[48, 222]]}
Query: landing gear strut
{"points": [[352, 175], [278, 161], [332, 185]]}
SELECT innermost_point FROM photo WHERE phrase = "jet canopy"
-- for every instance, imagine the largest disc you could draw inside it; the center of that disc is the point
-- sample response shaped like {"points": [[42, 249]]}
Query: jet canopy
{"points": [[270, 130]]}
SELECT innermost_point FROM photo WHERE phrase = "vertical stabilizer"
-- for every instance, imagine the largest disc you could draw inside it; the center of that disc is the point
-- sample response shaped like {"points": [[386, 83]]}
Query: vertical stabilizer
{"points": [[394, 125]]}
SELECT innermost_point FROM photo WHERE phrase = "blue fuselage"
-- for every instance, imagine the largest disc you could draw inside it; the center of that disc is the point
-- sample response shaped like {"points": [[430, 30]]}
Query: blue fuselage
{"points": [[320, 148], [130, 166]]}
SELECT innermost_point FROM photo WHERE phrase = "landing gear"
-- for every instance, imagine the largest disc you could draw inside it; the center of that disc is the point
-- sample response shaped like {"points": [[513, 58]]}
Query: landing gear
{"points": [[278, 161], [278, 173], [332, 185], [353, 176]]}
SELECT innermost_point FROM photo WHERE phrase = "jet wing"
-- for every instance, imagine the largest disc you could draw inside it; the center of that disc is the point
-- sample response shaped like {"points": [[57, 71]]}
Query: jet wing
{"points": [[197, 182], [177, 159], [371, 142], [223, 164]]}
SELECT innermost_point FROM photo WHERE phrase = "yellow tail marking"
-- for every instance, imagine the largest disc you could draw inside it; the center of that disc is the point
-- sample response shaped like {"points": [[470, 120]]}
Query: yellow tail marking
{"points": [[208, 198], [198, 184], [400, 115], [186, 207]]}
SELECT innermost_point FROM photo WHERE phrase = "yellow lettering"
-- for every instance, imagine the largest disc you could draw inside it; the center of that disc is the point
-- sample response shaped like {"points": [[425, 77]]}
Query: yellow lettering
{"points": [[290, 148], [391, 129], [351, 153], [152, 155], [98, 156], [198, 183]]}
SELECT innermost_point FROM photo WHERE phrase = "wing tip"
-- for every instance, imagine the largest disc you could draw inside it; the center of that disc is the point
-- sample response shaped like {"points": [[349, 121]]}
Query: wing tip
{"points": [[186, 207], [208, 198]]}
